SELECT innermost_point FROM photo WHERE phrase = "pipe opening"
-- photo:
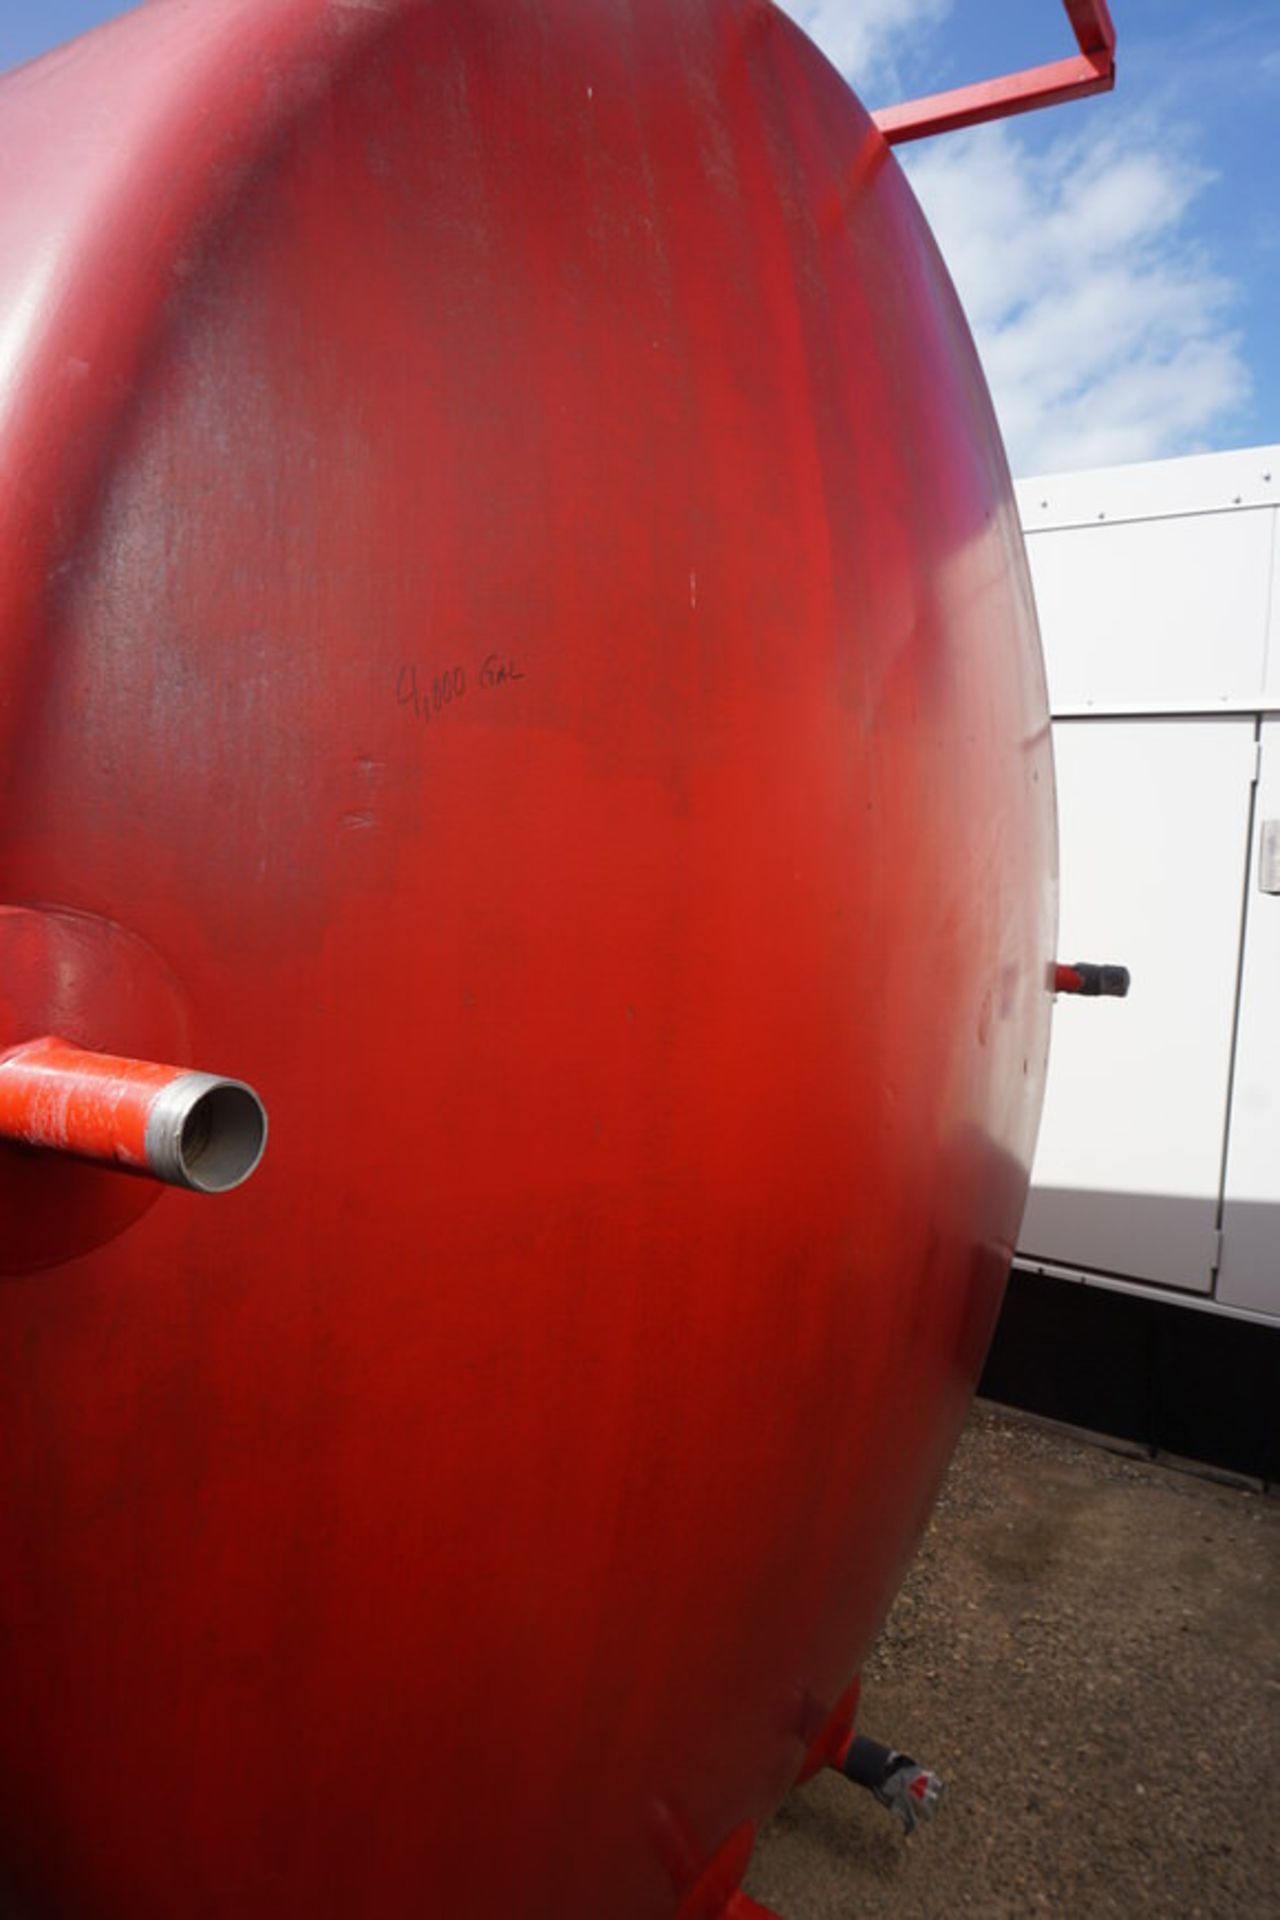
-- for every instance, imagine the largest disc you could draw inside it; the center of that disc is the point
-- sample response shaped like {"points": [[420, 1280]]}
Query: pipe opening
{"points": [[222, 1138]]}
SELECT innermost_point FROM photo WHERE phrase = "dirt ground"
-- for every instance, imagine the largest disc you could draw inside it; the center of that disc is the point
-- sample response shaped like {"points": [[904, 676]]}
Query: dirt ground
{"points": [[1088, 1650]]}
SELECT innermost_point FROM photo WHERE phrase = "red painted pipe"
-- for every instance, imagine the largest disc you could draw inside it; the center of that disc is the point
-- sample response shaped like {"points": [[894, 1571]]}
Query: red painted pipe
{"points": [[188, 1129], [1092, 70]]}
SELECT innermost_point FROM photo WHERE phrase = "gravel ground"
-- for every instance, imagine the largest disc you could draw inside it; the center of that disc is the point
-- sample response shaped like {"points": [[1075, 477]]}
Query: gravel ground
{"points": [[1088, 1650]]}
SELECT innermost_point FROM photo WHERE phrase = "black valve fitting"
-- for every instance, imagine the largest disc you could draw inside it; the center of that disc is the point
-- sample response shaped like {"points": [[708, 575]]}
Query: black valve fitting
{"points": [[1085, 977]]}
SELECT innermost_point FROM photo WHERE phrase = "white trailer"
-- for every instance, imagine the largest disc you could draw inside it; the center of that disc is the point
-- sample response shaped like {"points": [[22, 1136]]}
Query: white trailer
{"points": [[1158, 1168]]}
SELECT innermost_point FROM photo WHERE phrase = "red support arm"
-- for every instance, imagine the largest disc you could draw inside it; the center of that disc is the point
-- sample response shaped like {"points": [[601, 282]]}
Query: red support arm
{"points": [[1092, 70]]}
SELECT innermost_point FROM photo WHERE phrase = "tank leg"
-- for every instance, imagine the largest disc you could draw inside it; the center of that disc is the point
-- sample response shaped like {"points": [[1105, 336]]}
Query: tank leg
{"points": [[826, 1731], [712, 1891], [910, 1792]]}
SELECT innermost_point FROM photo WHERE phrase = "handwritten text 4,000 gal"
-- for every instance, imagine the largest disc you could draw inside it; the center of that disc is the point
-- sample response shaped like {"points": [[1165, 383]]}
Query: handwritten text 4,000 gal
{"points": [[430, 695]]}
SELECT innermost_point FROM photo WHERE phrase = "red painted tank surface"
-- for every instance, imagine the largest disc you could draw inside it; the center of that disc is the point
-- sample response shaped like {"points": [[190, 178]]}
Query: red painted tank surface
{"points": [[514, 642]]}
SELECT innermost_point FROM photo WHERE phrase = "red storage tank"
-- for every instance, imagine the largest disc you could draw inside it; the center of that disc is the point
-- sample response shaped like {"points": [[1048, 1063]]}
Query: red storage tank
{"points": [[515, 642]]}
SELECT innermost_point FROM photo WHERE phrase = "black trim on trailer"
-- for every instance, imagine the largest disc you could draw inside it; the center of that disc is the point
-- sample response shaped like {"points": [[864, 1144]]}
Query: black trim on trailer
{"points": [[1198, 1386]]}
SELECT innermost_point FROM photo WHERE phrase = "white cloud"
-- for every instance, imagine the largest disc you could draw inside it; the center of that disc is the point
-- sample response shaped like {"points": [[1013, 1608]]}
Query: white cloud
{"points": [[861, 37], [1104, 329]]}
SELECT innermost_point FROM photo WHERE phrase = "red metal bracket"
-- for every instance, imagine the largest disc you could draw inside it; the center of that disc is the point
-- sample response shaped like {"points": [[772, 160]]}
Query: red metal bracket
{"points": [[1092, 70]]}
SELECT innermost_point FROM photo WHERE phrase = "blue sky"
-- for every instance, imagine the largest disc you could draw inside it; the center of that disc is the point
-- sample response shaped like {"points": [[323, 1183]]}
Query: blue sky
{"points": [[1119, 258]]}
